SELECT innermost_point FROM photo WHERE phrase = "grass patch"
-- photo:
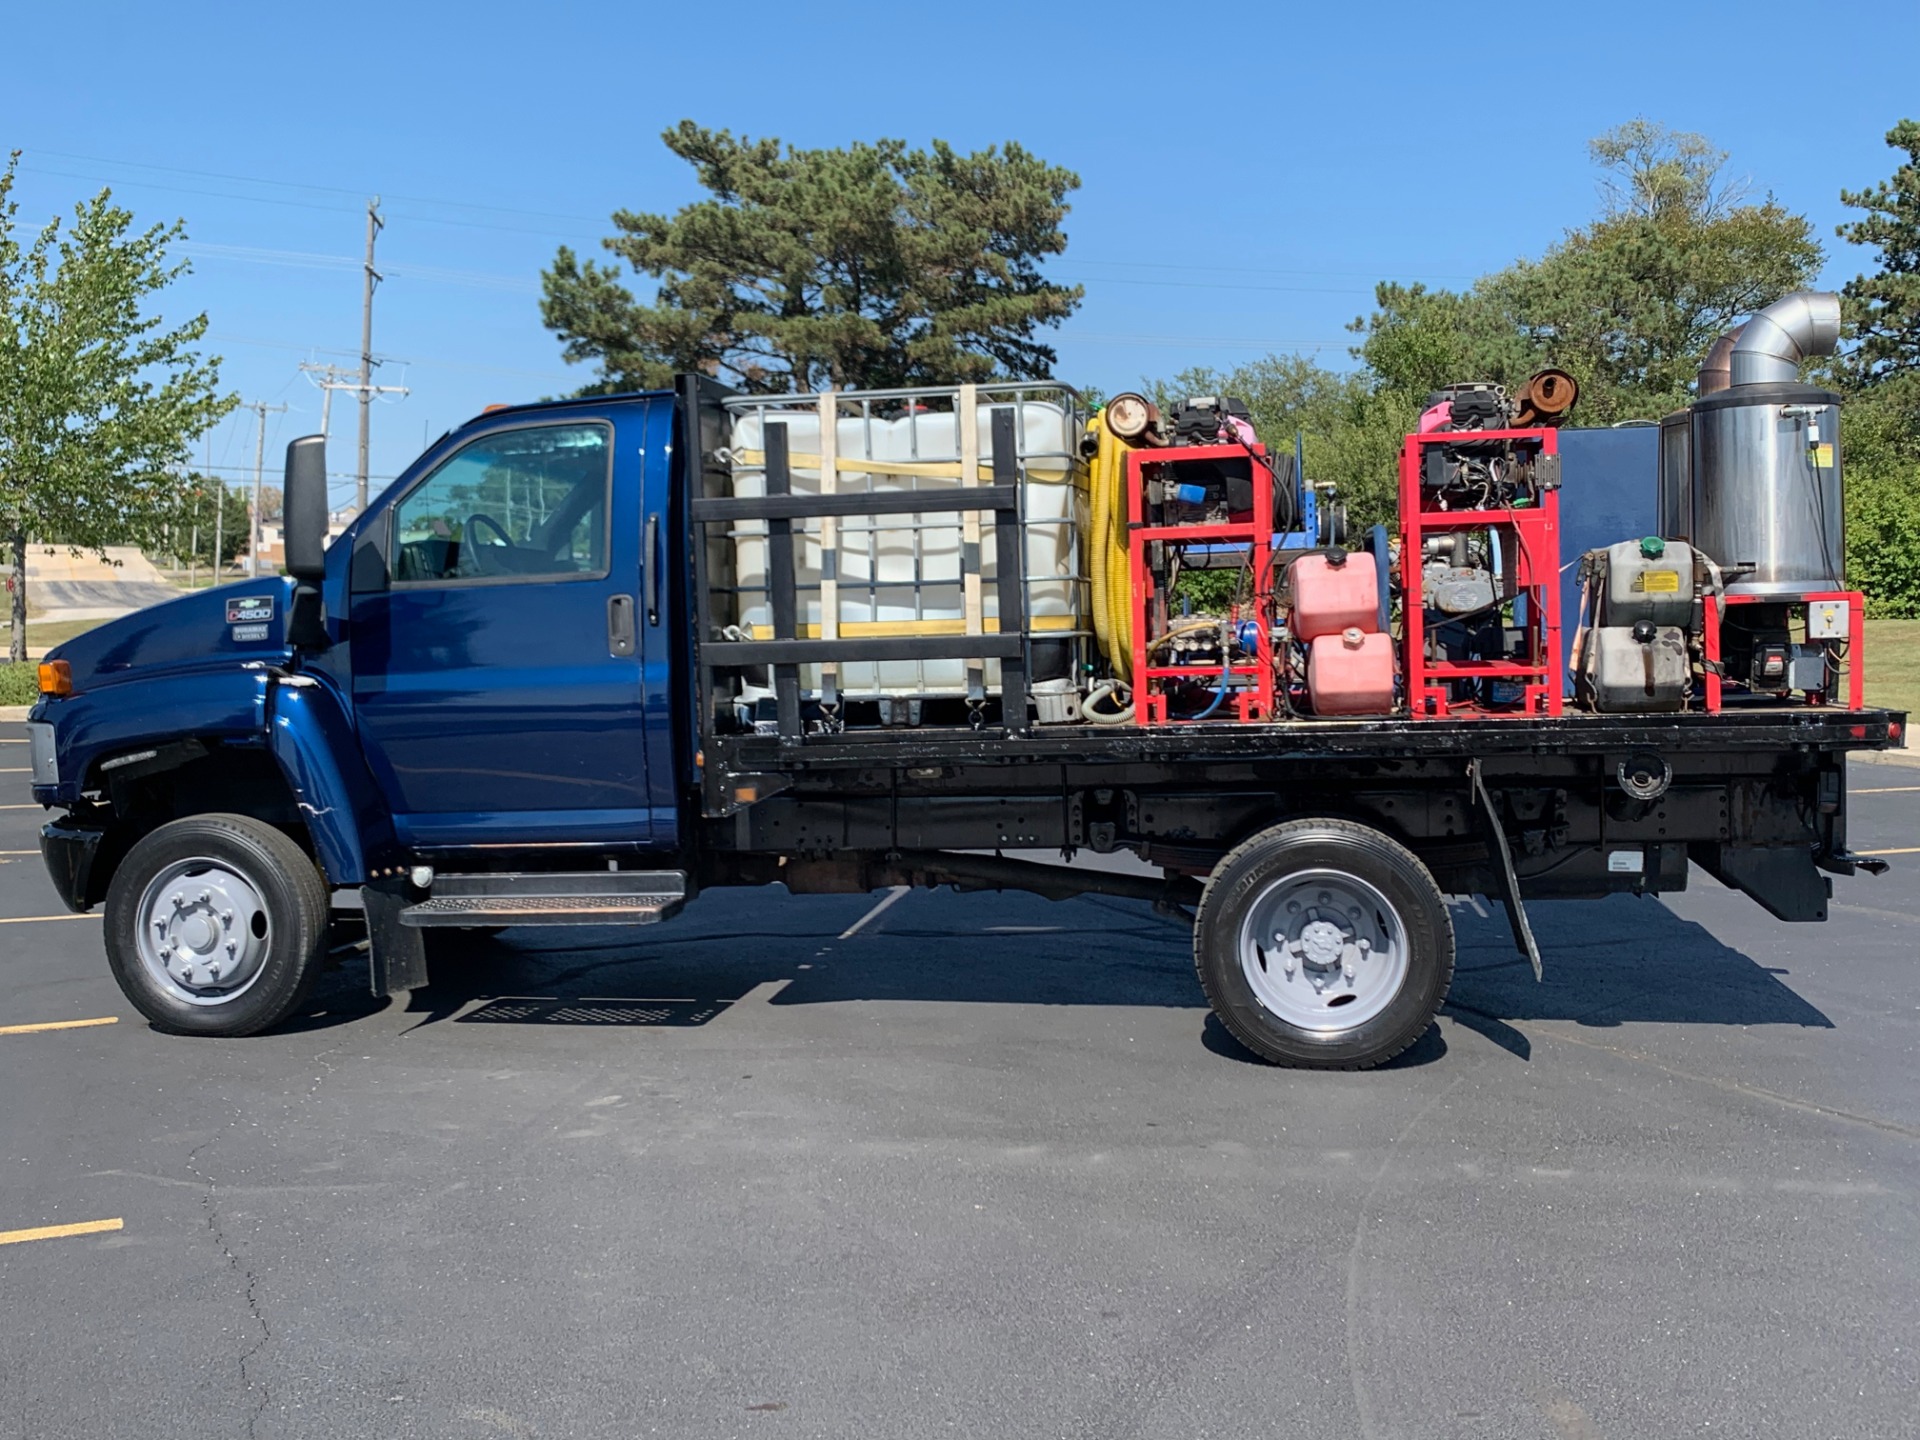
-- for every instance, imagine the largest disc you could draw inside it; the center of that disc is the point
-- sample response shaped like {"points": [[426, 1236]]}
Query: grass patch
{"points": [[19, 684], [54, 632], [1893, 664]]}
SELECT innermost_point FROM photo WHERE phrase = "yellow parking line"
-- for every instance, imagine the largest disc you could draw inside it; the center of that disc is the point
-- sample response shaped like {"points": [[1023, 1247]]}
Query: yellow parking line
{"points": [[36, 919], [58, 1025], [19, 852], [42, 807], [1903, 850], [17, 770], [1888, 790], [59, 1232]]}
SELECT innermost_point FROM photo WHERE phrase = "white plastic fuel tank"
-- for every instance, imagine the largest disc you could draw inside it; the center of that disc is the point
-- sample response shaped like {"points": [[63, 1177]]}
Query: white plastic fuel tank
{"points": [[900, 575]]}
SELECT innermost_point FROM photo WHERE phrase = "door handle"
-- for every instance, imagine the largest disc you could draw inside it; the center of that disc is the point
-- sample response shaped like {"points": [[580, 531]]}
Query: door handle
{"points": [[651, 569], [620, 625]]}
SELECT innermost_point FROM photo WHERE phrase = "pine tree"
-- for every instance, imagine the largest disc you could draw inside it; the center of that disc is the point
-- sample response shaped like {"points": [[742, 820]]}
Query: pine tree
{"points": [[864, 267]]}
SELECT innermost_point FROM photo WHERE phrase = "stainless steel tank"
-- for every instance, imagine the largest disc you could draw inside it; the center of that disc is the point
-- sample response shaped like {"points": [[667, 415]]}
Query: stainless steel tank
{"points": [[1766, 486], [1675, 504]]}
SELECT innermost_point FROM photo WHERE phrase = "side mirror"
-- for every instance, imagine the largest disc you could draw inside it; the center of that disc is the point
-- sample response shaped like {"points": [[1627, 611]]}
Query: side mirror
{"points": [[305, 501]]}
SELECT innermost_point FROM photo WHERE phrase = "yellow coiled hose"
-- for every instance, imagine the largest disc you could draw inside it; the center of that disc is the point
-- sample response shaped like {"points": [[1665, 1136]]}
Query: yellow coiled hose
{"points": [[1107, 558]]}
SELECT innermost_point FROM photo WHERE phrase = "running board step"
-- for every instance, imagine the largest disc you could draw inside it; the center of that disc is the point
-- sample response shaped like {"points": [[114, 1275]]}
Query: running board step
{"points": [[593, 897]]}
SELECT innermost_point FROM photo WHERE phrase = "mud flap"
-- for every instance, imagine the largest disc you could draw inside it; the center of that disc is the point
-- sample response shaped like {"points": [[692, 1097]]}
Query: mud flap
{"points": [[1509, 882], [396, 953], [1781, 877]]}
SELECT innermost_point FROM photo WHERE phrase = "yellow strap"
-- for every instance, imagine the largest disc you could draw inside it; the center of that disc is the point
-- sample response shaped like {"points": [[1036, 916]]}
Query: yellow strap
{"points": [[887, 629], [1045, 471]]}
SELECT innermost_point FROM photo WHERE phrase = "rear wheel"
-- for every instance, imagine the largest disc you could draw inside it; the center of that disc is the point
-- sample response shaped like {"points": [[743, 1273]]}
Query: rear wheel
{"points": [[216, 925], [1325, 944]]}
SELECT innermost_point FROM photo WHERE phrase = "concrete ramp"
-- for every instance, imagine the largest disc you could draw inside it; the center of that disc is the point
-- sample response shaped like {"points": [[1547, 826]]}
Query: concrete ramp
{"points": [[58, 580]]}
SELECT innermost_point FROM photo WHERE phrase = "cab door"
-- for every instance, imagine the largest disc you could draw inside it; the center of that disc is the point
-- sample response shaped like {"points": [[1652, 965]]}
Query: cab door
{"points": [[496, 653]]}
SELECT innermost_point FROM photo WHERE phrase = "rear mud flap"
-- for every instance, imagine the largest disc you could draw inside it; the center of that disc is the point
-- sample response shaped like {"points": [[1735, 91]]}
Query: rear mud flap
{"points": [[396, 953], [1509, 882]]}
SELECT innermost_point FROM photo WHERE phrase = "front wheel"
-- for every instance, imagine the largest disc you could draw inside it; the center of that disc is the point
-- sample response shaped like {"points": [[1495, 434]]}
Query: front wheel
{"points": [[216, 925], [1323, 944]]}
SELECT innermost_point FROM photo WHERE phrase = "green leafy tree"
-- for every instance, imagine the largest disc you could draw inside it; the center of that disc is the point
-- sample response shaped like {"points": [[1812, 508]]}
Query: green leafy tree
{"points": [[199, 519], [99, 400], [1629, 303], [869, 266], [1881, 442]]}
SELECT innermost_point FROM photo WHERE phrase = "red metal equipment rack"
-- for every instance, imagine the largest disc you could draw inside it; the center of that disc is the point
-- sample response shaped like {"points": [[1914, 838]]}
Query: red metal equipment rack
{"points": [[1533, 533], [1253, 698], [1856, 604]]}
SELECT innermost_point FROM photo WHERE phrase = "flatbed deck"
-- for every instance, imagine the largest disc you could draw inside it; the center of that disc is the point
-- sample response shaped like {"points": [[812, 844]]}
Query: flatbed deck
{"points": [[1746, 733]]}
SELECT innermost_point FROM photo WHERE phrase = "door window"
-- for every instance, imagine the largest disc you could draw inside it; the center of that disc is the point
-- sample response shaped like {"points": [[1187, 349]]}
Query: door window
{"points": [[526, 503]]}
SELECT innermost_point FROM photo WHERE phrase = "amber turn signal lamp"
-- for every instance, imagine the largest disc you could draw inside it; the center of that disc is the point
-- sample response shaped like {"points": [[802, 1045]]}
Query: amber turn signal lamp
{"points": [[56, 677]]}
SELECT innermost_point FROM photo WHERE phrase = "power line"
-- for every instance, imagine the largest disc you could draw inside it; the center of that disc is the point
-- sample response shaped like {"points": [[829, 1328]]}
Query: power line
{"points": [[1186, 266], [551, 375], [328, 189]]}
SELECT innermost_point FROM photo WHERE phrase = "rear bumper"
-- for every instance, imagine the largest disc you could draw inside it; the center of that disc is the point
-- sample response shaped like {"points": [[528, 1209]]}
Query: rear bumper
{"points": [[69, 848]]}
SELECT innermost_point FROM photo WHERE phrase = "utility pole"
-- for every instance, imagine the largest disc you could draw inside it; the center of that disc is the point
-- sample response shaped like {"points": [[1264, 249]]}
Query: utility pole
{"points": [[261, 410], [368, 281], [219, 510], [329, 378]]}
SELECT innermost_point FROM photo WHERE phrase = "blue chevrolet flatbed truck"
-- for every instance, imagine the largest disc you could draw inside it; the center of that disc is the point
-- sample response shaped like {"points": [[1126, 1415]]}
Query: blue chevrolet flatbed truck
{"points": [[518, 691]]}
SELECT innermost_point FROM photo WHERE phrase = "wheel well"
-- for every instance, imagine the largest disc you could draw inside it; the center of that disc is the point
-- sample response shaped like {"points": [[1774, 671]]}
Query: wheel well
{"points": [[212, 779]]}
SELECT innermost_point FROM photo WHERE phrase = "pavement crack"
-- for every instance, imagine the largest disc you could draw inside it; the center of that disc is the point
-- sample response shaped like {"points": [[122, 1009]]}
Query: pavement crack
{"points": [[250, 1282]]}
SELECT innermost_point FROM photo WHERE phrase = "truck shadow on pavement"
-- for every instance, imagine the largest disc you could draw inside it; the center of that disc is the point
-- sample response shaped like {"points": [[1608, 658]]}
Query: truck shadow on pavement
{"points": [[1609, 962]]}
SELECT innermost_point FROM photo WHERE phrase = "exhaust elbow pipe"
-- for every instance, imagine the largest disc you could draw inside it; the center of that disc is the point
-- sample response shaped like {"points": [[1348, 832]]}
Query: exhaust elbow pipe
{"points": [[1770, 346], [1715, 370]]}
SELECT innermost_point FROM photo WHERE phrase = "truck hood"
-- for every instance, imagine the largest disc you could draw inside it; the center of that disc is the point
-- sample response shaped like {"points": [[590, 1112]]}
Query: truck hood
{"points": [[218, 627]]}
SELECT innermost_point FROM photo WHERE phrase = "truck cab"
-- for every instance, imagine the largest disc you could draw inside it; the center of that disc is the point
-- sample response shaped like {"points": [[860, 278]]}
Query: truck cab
{"points": [[483, 661]]}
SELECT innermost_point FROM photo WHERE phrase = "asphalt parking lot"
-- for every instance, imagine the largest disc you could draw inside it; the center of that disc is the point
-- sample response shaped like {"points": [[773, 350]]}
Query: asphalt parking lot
{"points": [[977, 1165]]}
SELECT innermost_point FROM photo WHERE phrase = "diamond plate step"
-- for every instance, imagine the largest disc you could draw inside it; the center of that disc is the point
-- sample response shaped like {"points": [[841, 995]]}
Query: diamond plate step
{"points": [[596, 897]]}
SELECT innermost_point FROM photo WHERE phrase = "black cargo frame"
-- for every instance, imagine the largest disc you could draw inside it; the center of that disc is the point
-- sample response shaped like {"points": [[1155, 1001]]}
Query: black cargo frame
{"points": [[787, 650]]}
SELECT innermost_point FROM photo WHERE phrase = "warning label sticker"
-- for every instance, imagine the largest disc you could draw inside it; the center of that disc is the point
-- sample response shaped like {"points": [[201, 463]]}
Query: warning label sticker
{"points": [[1657, 582]]}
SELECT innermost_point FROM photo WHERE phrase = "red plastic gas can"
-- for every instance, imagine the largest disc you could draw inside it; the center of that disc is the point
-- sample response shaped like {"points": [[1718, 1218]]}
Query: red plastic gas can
{"points": [[1350, 673], [1330, 598]]}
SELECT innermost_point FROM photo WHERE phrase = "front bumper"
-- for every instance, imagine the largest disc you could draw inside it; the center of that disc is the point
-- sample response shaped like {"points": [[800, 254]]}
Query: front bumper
{"points": [[70, 847]]}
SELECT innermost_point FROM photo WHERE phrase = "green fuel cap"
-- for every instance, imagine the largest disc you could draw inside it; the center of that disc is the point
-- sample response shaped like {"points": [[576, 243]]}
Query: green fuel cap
{"points": [[1653, 547]]}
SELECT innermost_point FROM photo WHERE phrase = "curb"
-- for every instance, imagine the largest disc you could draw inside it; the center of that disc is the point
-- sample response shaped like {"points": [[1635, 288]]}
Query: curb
{"points": [[1909, 758], [14, 714]]}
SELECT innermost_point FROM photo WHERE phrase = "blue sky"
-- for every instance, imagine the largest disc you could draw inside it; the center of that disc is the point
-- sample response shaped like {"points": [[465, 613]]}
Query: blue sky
{"points": [[1248, 171]]}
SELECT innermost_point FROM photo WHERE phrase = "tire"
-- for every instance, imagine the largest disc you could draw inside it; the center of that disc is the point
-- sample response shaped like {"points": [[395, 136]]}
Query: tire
{"points": [[216, 925], [1323, 944]]}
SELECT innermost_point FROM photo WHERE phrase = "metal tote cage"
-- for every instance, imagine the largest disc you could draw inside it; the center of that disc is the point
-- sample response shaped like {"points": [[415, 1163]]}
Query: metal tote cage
{"points": [[869, 552]]}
